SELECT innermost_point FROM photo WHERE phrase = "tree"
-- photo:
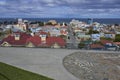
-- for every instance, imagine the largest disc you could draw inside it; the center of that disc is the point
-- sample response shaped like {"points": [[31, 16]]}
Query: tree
{"points": [[117, 38], [91, 31], [63, 36], [49, 23], [9, 31], [5, 22], [103, 38], [1, 33], [41, 23], [116, 24], [81, 45]]}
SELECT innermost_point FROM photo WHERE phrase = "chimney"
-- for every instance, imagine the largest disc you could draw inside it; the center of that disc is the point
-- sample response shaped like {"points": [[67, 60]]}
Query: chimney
{"points": [[43, 38], [17, 36], [32, 34]]}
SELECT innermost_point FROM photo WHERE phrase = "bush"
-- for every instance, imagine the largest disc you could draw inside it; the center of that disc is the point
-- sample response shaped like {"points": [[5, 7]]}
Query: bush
{"points": [[63, 36], [49, 23], [41, 23], [91, 31], [81, 45], [103, 38], [117, 38]]}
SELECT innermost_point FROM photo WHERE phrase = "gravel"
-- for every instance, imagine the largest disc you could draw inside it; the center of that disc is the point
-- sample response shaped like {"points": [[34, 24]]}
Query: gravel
{"points": [[93, 66]]}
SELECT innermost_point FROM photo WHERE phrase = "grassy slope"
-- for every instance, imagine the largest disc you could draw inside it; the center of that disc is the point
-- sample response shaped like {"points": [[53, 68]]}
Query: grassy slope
{"points": [[8, 72], [2, 77]]}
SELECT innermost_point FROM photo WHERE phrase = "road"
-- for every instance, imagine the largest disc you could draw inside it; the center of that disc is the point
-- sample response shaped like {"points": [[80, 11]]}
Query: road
{"points": [[72, 41]]}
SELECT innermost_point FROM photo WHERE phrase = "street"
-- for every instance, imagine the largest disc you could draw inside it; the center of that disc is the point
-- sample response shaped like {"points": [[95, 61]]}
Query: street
{"points": [[72, 42]]}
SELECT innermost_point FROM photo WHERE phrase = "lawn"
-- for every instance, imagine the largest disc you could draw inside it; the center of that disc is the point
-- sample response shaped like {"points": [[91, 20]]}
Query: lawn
{"points": [[8, 72]]}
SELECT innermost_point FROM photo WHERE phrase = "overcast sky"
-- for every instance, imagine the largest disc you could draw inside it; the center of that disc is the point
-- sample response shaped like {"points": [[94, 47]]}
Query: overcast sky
{"points": [[60, 8]]}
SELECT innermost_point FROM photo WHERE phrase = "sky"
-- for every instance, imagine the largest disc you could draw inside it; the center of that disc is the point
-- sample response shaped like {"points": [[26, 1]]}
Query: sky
{"points": [[60, 8]]}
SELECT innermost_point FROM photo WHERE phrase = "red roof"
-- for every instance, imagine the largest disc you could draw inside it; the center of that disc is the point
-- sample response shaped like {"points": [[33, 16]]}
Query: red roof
{"points": [[43, 33], [52, 40], [11, 39], [96, 46], [105, 41], [36, 40], [117, 43]]}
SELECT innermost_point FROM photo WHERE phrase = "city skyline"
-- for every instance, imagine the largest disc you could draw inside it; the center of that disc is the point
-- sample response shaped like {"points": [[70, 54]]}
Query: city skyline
{"points": [[60, 8]]}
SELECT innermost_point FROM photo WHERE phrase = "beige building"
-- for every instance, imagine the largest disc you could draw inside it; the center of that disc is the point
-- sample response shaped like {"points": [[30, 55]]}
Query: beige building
{"points": [[53, 22]]}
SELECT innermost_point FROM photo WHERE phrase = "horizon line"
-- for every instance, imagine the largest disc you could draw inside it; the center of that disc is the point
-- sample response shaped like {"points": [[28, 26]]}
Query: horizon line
{"points": [[60, 17]]}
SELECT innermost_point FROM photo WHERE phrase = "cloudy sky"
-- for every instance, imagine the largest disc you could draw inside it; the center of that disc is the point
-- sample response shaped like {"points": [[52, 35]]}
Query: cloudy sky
{"points": [[60, 8]]}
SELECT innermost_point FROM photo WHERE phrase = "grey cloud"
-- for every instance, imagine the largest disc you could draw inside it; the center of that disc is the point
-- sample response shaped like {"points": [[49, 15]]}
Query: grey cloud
{"points": [[59, 7]]}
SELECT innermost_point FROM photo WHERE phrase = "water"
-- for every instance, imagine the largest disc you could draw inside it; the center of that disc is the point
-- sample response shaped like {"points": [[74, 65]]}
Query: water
{"points": [[67, 20]]}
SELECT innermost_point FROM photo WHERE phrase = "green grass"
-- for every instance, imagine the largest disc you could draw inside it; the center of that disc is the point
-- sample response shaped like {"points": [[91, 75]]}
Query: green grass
{"points": [[8, 72], [2, 77]]}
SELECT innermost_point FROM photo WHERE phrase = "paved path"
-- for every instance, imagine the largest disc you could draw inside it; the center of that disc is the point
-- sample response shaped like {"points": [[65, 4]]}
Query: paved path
{"points": [[47, 62]]}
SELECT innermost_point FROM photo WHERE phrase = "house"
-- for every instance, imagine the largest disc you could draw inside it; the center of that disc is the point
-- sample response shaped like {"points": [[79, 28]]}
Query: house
{"points": [[52, 30], [55, 32], [95, 37], [64, 32], [55, 42], [53, 22], [35, 29], [106, 42], [52, 42], [42, 33], [96, 46], [109, 45], [102, 34], [77, 30], [112, 36], [117, 43], [82, 35], [8, 26], [78, 24], [33, 41], [15, 39], [117, 32]]}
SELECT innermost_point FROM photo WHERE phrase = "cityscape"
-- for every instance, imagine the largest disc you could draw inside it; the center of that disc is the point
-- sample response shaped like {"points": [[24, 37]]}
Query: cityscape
{"points": [[59, 39], [52, 34]]}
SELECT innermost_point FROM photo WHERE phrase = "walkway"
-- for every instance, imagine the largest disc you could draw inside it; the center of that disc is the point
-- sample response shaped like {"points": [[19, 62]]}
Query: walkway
{"points": [[47, 62]]}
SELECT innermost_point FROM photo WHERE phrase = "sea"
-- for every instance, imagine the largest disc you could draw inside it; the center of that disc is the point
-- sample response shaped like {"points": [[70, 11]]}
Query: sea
{"points": [[67, 20]]}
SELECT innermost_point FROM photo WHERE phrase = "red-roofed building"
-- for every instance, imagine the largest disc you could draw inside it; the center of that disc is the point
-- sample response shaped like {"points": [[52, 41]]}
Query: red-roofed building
{"points": [[96, 46], [33, 41], [117, 43], [53, 42], [23, 39], [109, 45], [105, 42], [15, 39]]}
